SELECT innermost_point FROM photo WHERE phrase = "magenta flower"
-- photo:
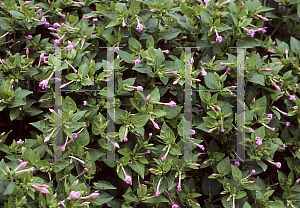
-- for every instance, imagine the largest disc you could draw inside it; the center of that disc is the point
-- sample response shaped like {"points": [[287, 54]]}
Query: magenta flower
{"points": [[29, 37], [292, 97], [252, 172], [269, 115], [283, 113], [79, 3], [286, 123], [80, 161], [258, 142], [22, 165], [26, 170], [272, 129], [127, 177], [237, 164], [193, 132], [277, 164], [84, 103], [157, 190], [165, 156], [275, 85], [154, 124], [66, 84], [74, 195], [251, 32], [116, 48], [197, 204], [165, 51], [137, 61], [295, 107], [19, 142], [218, 38], [138, 88], [147, 99], [263, 18], [48, 137], [26, 3], [199, 145], [139, 26], [41, 12], [63, 148], [173, 204], [222, 126], [171, 104], [76, 134], [42, 188], [281, 145], [3, 35], [123, 23], [176, 81], [179, 183], [172, 72], [91, 196], [125, 136], [203, 72]]}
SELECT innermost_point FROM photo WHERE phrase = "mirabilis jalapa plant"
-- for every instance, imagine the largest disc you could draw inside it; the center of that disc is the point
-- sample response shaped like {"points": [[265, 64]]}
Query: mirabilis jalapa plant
{"points": [[149, 168]]}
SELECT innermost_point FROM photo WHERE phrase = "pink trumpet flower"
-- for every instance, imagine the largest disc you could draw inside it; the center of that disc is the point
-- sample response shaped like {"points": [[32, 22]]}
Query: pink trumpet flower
{"points": [[272, 129], [125, 136], [275, 85], [277, 164], [157, 190], [199, 145], [147, 99], [76, 134], [26, 170], [263, 18], [48, 137], [251, 32], [22, 165], [127, 177], [3, 35], [258, 142], [83, 172], [42, 188], [165, 156], [283, 113], [218, 38], [179, 183], [91, 196], [74, 195], [281, 145], [171, 103], [155, 124], [80, 161], [252, 172], [139, 26], [292, 97], [79, 3], [286, 123], [176, 81], [66, 84], [138, 88], [172, 72]]}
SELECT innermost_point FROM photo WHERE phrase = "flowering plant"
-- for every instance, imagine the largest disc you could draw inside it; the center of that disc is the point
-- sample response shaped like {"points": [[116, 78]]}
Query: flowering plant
{"points": [[176, 85]]}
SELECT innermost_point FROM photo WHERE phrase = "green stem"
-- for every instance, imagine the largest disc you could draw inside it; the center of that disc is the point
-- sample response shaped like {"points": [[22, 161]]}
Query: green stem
{"points": [[157, 29], [20, 42], [14, 42]]}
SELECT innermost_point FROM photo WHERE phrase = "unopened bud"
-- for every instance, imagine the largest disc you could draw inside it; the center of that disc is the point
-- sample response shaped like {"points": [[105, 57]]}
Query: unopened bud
{"points": [[253, 101], [163, 132], [23, 198]]}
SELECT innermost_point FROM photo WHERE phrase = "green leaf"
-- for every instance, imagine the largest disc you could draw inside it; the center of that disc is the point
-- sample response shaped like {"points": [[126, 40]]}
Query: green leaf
{"points": [[138, 167], [134, 44], [140, 119], [104, 185], [257, 78], [236, 173], [127, 57], [59, 165], [16, 102], [103, 198], [210, 80], [83, 70], [282, 178], [251, 186], [222, 27], [154, 96], [240, 194], [69, 104], [17, 15], [295, 44], [134, 8], [143, 67], [77, 116], [172, 33], [172, 112], [83, 138], [130, 197], [223, 166], [14, 113], [205, 17]]}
